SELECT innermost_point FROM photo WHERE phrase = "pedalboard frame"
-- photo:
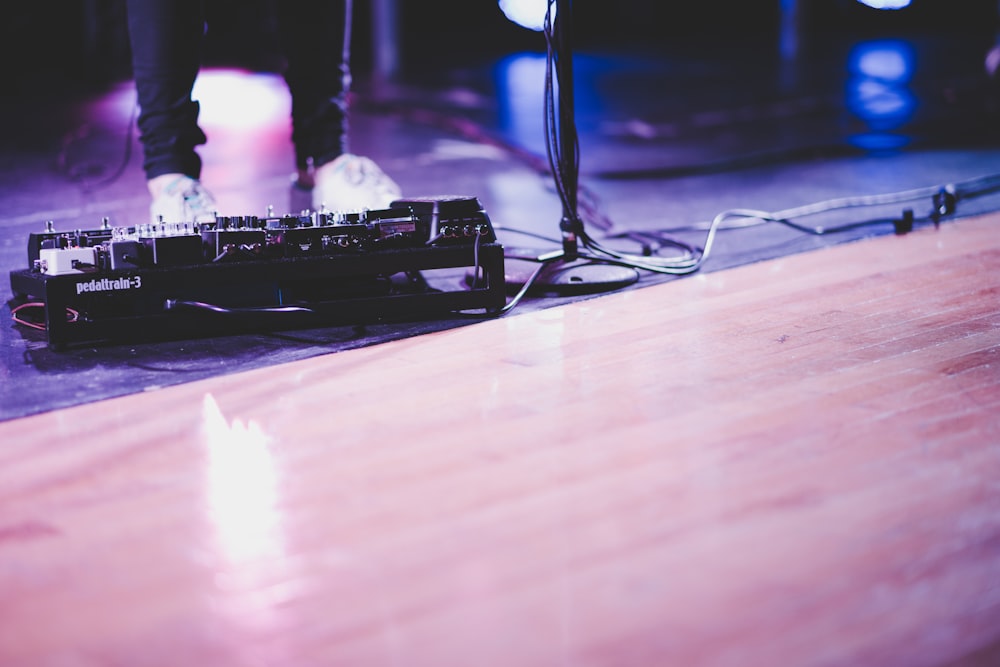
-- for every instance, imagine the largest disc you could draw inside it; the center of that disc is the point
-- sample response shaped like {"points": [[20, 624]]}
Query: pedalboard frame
{"points": [[100, 304]]}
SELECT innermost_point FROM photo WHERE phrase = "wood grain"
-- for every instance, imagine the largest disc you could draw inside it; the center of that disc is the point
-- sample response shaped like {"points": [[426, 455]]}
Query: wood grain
{"points": [[790, 463]]}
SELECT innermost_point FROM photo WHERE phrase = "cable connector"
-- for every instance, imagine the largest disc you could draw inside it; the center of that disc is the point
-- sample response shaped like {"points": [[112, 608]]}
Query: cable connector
{"points": [[571, 228], [904, 225], [945, 203]]}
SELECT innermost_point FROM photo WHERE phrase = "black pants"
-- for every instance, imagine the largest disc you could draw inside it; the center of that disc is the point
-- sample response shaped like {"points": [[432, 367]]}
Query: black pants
{"points": [[166, 38]]}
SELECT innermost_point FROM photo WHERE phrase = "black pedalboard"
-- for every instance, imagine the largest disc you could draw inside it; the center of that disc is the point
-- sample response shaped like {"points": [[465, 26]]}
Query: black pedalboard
{"points": [[246, 273]]}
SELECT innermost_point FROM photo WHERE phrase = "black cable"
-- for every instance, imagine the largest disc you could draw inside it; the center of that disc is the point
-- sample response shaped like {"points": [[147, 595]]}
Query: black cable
{"points": [[944, 200], [346, 79], [78, 174], [174, 304], [561, 138], [521, 293]]}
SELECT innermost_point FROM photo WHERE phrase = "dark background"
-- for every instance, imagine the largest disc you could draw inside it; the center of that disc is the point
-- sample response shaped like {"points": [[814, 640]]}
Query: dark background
{"points": [[85, 44]]}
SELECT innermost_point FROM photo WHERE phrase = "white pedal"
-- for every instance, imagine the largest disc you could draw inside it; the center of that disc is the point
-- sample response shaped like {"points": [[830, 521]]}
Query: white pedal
{"points": [[60, 261]]}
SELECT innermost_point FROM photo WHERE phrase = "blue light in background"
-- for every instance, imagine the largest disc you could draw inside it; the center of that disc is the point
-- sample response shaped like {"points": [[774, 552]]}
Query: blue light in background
{"points": [[878, 91], [520, 80], [520, 84], [889, 61]]}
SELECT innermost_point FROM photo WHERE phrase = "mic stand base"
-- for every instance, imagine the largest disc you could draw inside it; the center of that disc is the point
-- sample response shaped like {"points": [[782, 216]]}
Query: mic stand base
{"points": [[563, 277]]}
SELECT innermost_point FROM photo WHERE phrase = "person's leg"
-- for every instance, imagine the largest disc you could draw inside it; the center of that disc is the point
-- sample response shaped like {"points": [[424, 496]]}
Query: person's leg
{"points": [[318, 75], [166, 38], [312, 35]]}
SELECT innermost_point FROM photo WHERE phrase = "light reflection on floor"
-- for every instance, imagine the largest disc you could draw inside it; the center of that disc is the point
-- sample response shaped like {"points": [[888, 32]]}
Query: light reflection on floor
{"points": [[252, 574]]}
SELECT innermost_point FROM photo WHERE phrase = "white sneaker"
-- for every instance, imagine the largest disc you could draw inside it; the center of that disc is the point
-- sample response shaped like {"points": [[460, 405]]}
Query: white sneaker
{"points": [[352, 183], [183, 199]]}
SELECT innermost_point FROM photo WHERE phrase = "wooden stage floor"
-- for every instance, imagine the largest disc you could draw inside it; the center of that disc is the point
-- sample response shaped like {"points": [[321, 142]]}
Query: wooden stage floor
{"points": [[793, 462]]}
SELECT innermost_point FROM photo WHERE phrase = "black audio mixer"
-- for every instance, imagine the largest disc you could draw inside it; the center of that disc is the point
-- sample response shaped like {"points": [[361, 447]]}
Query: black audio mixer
{"points": [[248, 273]]}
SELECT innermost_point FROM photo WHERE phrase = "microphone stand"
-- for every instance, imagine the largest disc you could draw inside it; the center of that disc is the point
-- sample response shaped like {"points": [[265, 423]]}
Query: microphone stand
{"points": [[566, 272]]}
